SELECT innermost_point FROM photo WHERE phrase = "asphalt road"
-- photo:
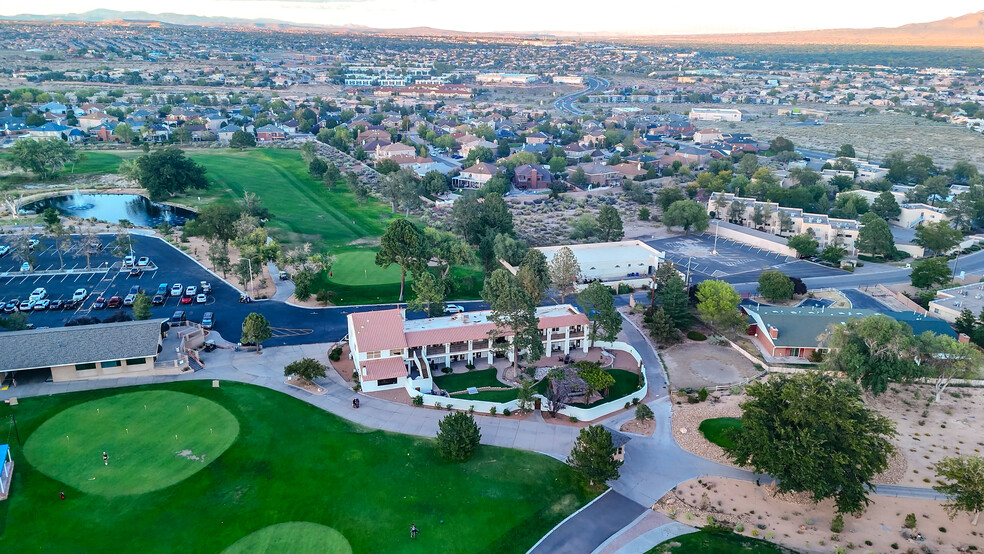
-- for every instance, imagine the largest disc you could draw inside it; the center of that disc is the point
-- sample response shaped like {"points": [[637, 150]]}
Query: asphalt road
{"points": [[569, 103]]}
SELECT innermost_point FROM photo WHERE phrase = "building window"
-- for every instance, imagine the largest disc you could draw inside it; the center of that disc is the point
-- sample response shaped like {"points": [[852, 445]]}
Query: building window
{"points": [[390, 381], [396, 352], [114, 363], [372, 355], [136, 361], [794, 352], [83, 367]]}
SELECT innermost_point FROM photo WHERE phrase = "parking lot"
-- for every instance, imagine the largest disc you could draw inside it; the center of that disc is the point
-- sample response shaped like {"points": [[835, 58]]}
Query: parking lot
{"points": [[734, 262]]}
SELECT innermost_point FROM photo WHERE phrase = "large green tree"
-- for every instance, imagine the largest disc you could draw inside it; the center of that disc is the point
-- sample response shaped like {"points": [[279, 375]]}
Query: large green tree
{"points": [[610, 224], [256, 329], [942, 359], [930, 272], [167, 172], [564, 272], [428, 294], [458, 437], [688, 215], [775, 285], [593, 455], [814, 434], [513, 312], [43, 157], [533, 275], [886, 206], [873, 351], [804, 245], [717, 303], [875, 238], [599, 303], [305, 368], [675, 301], [961, 479], [939, 237], [241, 139], [403, 244]]}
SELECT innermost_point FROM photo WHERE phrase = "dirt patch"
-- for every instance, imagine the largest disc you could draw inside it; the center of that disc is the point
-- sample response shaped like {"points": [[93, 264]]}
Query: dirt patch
{"points": [[305, 385], [687, 419], [797, 523], [637, 427], [700, 364], [344, 366]]}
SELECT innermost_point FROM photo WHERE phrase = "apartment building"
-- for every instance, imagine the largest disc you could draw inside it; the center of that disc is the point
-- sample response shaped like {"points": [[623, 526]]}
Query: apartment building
{"points": [[388, 349]]}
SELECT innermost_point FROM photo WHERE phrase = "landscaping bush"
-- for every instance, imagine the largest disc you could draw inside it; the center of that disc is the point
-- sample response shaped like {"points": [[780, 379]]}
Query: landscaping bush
{"points": [[418, 400], [702, 394], [643, 412], [446, 370], [335, 355], [910, 521], [837, 524], [506, 412], [458, 437], [696, 335], [492, 411]]}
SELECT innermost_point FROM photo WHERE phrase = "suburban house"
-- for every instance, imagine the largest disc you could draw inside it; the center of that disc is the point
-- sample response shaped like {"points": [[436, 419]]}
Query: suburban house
{"points": [[472, 145], [107, 350], [395, 149], [798, 332], [475, 176], [600, 174], [707, 136], [225, 134], [575, 151], [270, 133], [538, 137], [388, 349], [532, 177]]}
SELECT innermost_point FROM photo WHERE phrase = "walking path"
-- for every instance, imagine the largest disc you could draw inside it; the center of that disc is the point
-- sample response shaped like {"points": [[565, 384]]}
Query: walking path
{"points": [[653, 465], [285, 289]]}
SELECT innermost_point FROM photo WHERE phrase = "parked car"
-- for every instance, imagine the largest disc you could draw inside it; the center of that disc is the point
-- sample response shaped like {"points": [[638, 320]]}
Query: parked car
{"points": [[453, 309], [128, 300], [56, 304], [99, 304], [136, 272], [41, 304], [187, 299], [207, 320], [79, 295], [32, 244], [136, 289], [178, 318], [192, 290], [4, 250], [70, 304], [158, 299], [144, 261], [114, 302], [11, 306], [38, 294], [129, 261], [176, 289], [201, 298], [206, 287], [25, 267], [26, 305], [162, 289]]}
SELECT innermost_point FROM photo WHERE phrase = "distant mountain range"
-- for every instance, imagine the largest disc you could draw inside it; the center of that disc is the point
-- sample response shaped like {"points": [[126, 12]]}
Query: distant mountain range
{"points": [[965, 31]]}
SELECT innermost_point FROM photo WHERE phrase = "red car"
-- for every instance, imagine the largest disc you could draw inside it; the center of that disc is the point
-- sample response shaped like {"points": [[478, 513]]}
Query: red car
{"points": [[114, 302], [187, 299]]}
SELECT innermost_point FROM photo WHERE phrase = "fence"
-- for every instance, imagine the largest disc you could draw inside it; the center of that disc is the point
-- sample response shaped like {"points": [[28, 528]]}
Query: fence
{"points": [[903, 299]]}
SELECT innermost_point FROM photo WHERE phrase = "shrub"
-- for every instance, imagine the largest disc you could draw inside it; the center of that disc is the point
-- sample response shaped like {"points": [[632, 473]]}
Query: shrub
{"points": [[418, 400], [458, 437], [492, 411], [837, 524], [696, 335], [506, 412], [643, 412], [469, 367], [335, 355], [573, 419], [635, 401], [739, 527], [910, 521], [702, 394], [628, 405], [446, 370], [895, 546]]}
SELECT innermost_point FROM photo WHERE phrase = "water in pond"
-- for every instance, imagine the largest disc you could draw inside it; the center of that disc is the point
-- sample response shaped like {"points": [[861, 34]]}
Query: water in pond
{"points": [[111, 208]]}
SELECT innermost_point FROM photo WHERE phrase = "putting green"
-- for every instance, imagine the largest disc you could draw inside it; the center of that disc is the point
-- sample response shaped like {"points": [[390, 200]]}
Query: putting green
{"points": [[154, 439], [296, 537], [358, 267]]}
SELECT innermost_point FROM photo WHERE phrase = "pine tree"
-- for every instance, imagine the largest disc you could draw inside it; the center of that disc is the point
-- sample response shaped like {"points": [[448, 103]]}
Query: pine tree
{"points": [[593, 455], [661, 328], [676, 302]]}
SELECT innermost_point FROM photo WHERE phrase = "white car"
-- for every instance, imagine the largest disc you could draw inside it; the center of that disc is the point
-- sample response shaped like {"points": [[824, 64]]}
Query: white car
{"points": [[25, 267], [41, 304], [38, 294], [128, 300], [201, 298], [4, 249], [144, 261], [129, 261], [176, 289], [206, 287], [192, 290], [32, 244], [79, 295], [453, 309]]}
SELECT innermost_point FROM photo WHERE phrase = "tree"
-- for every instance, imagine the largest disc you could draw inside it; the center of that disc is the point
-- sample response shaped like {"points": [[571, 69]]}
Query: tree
{"points": [[875, 238], [675, 301], [942, 358], [661, 327], [256, 329], [167, 172], [929, 272], [610, 223], [804, 244], [447, 249], [533, 275], [124, 132], [885, 206], [593, 455], [748, 164], [846, 151], [526, 395], [141, 307], [317, 168], [43, 157], [578, 178], [428, 294], [402, 244], [558, 164], [873, 351], [717, 303], [564, 272], [122, 246], [643, 412], [664, 272], [458, 437], [833, 253], [305, 368], [775, 285], [814, 434], [780, 144], [331, 176], [939, 237], [599, 303], [666, 196], [241, 139], [218, 254], [961, 479], [688, 214], [512, 311]]}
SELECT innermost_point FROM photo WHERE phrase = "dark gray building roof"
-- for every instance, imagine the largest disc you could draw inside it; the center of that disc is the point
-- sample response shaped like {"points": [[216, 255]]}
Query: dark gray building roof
{"points": [[79, 344]]}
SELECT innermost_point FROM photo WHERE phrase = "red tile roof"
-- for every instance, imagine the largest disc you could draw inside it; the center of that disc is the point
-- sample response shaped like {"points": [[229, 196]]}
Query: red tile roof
{"points": [[383, 368], [378, 330]]}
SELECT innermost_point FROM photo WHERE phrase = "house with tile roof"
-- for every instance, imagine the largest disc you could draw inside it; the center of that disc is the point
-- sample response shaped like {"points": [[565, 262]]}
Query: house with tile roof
{"points": [[475, 176], [388, 349]]}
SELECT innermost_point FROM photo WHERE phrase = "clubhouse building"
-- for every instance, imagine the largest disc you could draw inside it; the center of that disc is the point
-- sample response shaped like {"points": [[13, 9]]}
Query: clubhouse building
{"points": [[387, 348]]}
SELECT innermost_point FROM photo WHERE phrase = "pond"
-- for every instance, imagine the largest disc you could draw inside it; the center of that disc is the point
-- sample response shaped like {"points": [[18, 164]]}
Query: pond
{"points": [[111, 208]]}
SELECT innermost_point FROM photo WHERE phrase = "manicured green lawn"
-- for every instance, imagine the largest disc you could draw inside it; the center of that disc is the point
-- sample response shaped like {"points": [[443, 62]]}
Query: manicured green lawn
{"points": [[460, 381], [717, 430], [353, 268], [154, 439], [291, 462], [717, 542], [297, 537], [626, 383], [501, 395]]}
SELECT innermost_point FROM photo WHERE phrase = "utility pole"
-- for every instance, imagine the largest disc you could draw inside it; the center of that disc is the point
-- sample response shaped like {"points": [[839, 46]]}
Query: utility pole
{"points": [[250, 263]]}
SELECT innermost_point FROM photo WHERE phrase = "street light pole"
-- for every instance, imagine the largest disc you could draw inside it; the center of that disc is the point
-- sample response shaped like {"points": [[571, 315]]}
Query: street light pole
{"points": [[688, 270], [717, 228], [250, 263]]}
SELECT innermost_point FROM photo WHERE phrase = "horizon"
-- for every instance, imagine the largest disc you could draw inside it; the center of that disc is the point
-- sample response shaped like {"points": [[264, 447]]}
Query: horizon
{"points": [[771, 16]]}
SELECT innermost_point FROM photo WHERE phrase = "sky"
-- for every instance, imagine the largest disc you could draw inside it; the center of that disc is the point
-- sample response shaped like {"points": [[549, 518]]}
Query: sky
{"points": [[628, 16]]}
